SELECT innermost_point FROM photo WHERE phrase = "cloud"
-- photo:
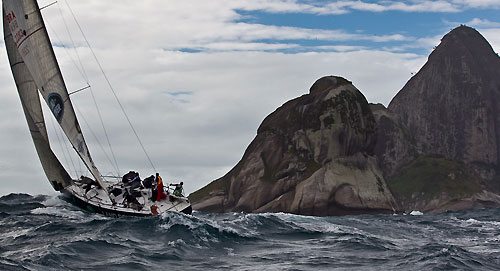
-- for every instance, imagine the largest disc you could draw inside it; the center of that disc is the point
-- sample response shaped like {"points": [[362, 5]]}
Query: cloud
{"points": [[340, 48], [478, 3], [493, 37], [417, 6], [219, 31], [247, 46], [476, 22], [343, 7]]}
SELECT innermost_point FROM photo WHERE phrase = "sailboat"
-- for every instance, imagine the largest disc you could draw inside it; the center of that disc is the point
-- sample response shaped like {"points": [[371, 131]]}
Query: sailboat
{"points": [[36, 73]]}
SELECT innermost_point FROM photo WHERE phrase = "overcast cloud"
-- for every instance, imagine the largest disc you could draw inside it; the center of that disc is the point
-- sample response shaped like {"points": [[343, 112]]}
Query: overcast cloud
{"points": [[196, 78]]}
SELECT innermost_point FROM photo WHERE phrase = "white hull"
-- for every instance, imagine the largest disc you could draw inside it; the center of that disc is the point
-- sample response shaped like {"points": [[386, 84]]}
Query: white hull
{"points": [[96, 200]]}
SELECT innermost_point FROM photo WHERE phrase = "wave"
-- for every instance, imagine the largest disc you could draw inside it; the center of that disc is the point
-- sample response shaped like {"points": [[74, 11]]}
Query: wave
{"points": [[14, 204], [47, 233]]}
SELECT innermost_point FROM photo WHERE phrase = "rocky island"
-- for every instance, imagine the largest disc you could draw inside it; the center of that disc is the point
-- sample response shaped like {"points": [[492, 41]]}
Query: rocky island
{"points": [[329, 152]]}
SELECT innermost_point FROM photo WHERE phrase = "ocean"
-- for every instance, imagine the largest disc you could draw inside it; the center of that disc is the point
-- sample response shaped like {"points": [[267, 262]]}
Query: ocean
{"points": [[47, 233]]}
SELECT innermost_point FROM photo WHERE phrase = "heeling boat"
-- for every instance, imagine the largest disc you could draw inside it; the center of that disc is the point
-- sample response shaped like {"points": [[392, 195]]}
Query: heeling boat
{"points": [[36, 71]]}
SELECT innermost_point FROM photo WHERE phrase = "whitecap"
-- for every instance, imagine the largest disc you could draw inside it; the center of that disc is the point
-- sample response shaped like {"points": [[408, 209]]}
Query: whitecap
{"points": [[65, 212], [197, 225], [229, 251], [57, 211], [414, 212], [16, 233], [471, 220], [176, 243], [54, 200]]}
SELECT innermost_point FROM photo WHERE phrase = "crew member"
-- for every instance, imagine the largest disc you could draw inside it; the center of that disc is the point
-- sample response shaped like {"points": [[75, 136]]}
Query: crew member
{"points": [[159, 187], [178, 191]]}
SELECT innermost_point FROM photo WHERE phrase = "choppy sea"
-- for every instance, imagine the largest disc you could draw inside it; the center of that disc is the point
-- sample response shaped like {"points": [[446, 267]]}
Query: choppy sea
{"points": [[47, 233]]}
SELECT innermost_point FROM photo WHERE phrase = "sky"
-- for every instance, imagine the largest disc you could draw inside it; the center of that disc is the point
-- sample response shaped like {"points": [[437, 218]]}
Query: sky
{"points": [[196, 78]]}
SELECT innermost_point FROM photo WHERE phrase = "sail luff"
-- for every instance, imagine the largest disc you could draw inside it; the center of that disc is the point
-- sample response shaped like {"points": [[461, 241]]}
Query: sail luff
{"points": [[33, 44]]}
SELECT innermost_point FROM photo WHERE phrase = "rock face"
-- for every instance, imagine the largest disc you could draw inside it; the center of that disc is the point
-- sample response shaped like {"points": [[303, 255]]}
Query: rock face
{"points": [[314, 156], [396, 146], [451, 109], [435, 148], [452, 105]]}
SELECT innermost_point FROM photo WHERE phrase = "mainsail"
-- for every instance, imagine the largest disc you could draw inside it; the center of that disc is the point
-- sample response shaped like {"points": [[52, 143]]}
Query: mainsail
{"points": [[29, 46]]}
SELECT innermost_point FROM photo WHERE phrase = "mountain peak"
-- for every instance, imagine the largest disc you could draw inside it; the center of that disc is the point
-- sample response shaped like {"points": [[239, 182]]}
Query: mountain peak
{"points": [[463, 31], [451, 104], [328, 82], [463, 41]]}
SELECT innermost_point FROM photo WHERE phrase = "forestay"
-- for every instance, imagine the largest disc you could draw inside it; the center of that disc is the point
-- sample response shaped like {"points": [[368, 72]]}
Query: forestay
{"points": [[31, 42]]}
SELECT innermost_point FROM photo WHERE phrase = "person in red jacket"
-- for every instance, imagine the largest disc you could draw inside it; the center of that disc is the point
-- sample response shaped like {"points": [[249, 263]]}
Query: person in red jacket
{"points": [[159, 186]]}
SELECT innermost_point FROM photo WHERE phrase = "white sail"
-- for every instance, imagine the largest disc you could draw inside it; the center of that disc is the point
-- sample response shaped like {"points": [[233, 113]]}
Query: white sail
{"points": [[32, 43], [28, 93]]}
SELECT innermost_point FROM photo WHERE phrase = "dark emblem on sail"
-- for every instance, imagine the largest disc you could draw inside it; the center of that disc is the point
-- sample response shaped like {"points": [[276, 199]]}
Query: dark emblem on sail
{"points": [[80, 147], [56, 105]]}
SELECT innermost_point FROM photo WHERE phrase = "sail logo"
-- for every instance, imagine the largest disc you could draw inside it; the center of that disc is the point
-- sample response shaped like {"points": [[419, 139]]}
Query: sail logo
{"points": [[56, 105], [17, 32], [80, 147], [10, 17]]}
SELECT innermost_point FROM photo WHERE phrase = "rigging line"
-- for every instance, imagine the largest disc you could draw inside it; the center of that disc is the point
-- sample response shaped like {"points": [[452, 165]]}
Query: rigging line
{"points": [[110, 176], [104, 129], [66, 51], [46, 6], [84, 75], [98, 142], [78, 90], [111, 87]]}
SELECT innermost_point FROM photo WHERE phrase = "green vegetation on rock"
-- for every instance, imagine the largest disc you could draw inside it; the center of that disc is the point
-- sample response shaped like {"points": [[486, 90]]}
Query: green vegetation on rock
{"points": [[427, 178]]}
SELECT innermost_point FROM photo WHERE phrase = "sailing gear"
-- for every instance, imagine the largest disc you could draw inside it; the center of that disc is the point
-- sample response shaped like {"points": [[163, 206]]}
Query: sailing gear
{"points": [[178, 191], [148, 182], [130, 177], [88, 183], [159, 188], [154, 209]]}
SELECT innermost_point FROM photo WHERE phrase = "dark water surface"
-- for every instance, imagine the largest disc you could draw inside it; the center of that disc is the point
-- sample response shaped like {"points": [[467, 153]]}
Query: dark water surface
{"points": [[46, 233]]}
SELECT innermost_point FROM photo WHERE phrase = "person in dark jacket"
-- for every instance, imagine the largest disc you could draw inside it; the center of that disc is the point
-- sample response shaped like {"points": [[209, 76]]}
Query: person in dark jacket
{"points": [[149, 181]]}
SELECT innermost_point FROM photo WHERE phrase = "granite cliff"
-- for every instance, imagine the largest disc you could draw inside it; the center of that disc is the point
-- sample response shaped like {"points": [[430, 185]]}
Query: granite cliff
{"points": [[452, 105], [435, 148], [451, 109], [312, 156]]}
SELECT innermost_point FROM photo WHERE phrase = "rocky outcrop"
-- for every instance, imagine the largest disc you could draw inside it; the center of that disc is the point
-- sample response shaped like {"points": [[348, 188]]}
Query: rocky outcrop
{"points": [[435, 148], [451, 108], [452, 105], [314, 156], [396, 146]]}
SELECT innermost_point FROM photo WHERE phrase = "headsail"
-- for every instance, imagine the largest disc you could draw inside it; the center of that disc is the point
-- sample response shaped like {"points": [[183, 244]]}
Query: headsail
{"points": [[32, 43], [30, 101]]}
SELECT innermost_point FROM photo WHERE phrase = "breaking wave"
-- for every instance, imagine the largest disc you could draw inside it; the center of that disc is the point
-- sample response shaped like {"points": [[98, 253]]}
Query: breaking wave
{"points": [[47, 233]]}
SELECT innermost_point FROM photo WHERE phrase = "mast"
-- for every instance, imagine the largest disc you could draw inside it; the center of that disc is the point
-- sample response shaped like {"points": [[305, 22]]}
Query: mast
{"points": [[32, 43]]}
